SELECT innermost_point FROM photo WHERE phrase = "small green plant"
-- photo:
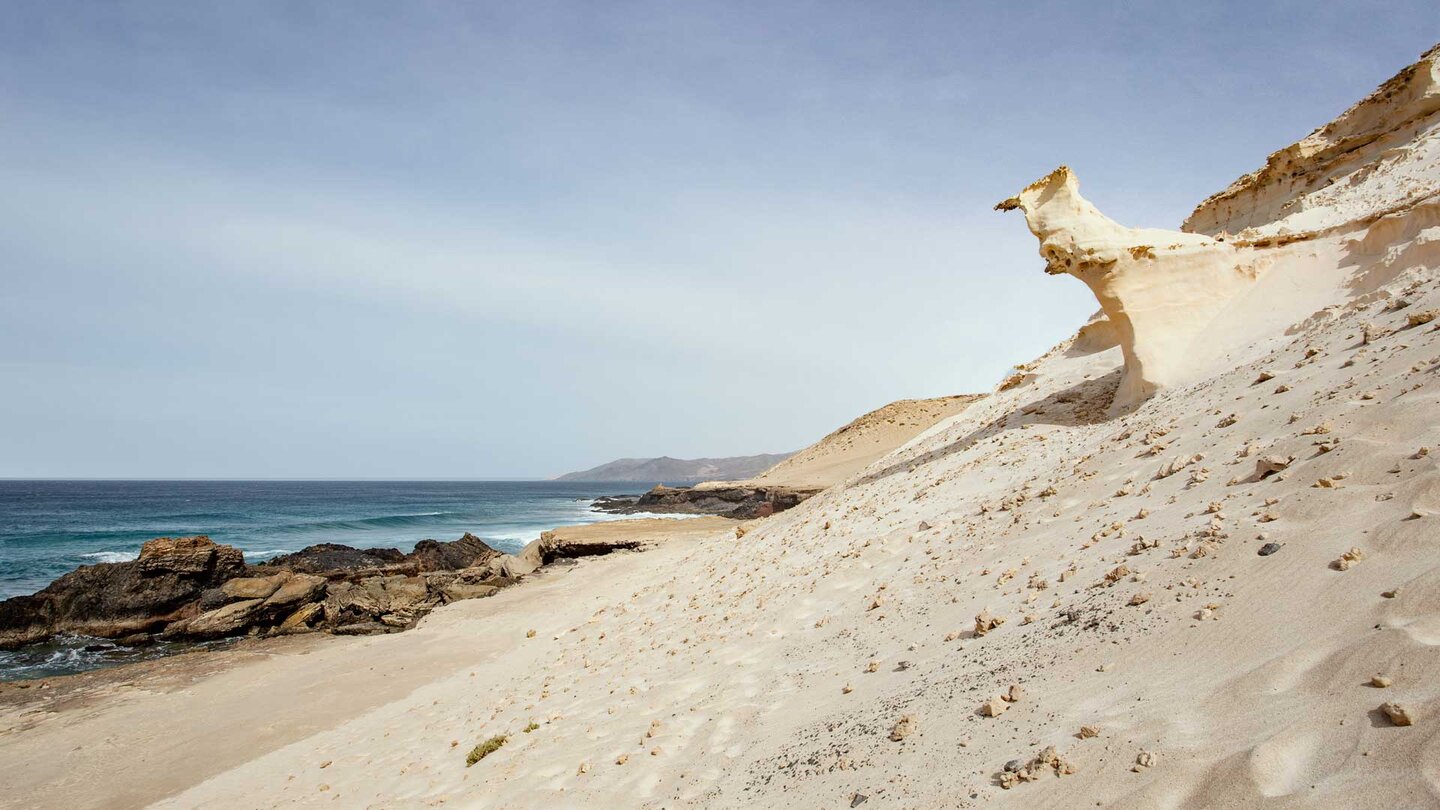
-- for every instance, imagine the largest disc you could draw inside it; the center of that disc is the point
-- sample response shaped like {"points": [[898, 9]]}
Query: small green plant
{"points": [[531, 727], [485, 749]]}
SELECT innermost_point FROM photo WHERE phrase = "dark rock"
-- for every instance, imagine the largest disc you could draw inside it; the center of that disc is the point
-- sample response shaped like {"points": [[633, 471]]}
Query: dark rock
{"points": [[212, 598], [328, 558], [468, 551], [1268, 549], [118, 599], [136, 640], [553, 546], [740, 502]]}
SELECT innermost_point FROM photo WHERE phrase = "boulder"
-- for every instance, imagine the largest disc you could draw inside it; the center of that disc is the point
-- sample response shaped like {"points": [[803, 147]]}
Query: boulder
{"points": [[196, 556], [229, 620], [369, 599], [468, 551], [295, 589], [512, 566], [301, 619], [254, 587]]}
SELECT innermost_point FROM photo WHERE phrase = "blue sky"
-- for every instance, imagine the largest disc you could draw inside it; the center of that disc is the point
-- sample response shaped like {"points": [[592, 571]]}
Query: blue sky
{"points": [[514, 239]]}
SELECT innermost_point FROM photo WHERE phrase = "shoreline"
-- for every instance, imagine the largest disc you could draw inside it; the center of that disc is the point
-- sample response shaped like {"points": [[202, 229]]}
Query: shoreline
{"points": [[442, 570], [169, 724]]}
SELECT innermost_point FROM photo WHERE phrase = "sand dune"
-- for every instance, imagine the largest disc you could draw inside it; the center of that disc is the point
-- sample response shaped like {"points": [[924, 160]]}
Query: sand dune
{"points": [[850, 449], [1220, 590]]}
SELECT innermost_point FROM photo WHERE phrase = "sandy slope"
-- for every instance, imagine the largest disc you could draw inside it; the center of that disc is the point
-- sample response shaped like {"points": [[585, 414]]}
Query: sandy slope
{"points": [[850, 449], [1118, 543]]}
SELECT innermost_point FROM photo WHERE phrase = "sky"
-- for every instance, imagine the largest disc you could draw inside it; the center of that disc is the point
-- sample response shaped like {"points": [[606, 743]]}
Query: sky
{"points": [[471, 240]]}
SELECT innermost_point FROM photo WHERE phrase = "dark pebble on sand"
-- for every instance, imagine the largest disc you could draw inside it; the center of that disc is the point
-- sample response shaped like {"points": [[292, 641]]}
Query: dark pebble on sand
{"points": [[1268, 549]]}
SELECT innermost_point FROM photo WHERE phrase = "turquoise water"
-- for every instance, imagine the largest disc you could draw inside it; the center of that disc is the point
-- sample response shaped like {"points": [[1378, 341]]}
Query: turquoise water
{"points": [[50, 527]]}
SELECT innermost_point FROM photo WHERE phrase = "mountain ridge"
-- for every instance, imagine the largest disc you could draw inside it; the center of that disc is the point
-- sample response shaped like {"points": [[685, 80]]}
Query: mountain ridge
{"points": [[669, 470]]}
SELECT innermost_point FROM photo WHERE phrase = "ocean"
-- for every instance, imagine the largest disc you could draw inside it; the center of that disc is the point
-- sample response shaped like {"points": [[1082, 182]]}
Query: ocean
{"points": [[48, 528]]}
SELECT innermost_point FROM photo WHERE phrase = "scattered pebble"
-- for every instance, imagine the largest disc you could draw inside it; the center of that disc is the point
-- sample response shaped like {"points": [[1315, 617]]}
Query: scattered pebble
{"points": [[1398, 714], [903, 728], [994, 707], [1348, 560]]}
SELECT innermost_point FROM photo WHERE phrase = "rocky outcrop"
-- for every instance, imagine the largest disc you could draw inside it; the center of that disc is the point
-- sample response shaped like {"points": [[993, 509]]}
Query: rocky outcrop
{"points": [[1160, 290], [1376, 158], [738, 501], [190, 588], [162, 586]]}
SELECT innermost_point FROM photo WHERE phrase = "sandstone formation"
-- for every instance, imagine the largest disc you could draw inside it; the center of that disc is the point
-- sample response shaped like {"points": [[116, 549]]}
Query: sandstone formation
{"points": [[1339, 213], [1160, 290]]}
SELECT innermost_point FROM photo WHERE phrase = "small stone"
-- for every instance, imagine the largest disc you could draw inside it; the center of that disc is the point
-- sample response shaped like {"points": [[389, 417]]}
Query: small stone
{"points": [[1348, 560], [1086, 732], [1016, 693], [530, 634], [1145, 759], [994, 707], [1380, 682], [622, 759], [1398, 714], [1391, 594], [1268, 549], [1139, 599], [985, 622], [903, 728]]}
